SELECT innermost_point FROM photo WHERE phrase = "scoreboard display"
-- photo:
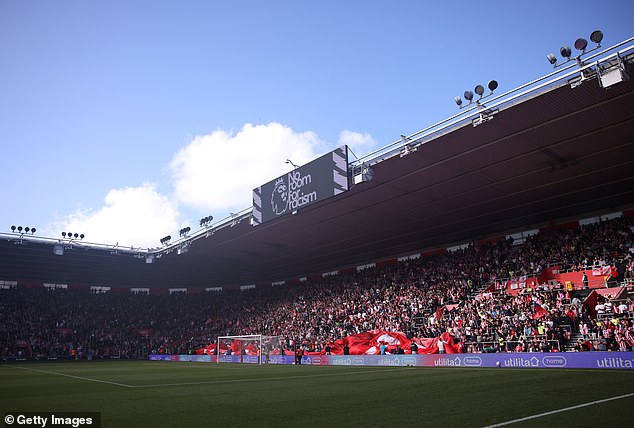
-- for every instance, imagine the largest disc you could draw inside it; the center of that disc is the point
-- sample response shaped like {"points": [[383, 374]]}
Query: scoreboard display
{"points": [[320, 179]]}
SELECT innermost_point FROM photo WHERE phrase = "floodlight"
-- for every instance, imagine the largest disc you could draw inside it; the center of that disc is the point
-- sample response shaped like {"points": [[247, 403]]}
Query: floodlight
{"points": [[206, 220], [13, 228], [596, 36], [27, 229], [63, 234], [82, 236], [19, 228], [581, 44], [479, 91], [76, 235], [565, 51], [33, 230]]}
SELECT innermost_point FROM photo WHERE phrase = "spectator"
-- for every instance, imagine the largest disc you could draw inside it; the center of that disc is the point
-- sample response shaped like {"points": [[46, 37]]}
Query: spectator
{"points": [[410, 296], [383, 348]]}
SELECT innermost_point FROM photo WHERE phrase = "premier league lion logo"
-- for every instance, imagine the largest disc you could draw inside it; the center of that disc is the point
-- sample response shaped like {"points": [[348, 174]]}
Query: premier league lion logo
{"points": [[279, 197]]}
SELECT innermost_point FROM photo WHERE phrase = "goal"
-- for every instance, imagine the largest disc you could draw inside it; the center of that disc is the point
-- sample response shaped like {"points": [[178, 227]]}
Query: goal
{"points": [[249, 349]]}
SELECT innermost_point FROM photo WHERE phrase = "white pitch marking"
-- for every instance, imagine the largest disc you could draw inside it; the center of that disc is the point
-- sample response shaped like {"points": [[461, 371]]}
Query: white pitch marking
{"points": [[565, 409], [73, 376], [211, 382]]}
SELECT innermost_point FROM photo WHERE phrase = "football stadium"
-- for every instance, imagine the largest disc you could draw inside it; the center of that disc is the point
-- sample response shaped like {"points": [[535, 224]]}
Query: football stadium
{"points": [[478, 272]]}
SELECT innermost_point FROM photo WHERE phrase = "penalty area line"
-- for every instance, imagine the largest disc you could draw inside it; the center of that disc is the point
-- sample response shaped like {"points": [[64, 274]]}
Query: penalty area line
{"points": [[73, 376], [565, 409]]}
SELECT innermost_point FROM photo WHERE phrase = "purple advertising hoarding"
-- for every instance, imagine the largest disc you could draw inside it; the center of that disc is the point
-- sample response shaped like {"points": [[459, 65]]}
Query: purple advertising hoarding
{"points": [[180, 358], [570, 360], [588, 360], [247, 359]]}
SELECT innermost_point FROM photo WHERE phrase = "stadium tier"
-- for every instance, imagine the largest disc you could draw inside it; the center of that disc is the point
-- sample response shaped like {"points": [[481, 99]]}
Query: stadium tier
{"points": [[561, 289]]}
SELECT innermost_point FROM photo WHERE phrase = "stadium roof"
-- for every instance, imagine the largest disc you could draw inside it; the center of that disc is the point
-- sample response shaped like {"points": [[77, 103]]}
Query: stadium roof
{"points": [[562, 150]]}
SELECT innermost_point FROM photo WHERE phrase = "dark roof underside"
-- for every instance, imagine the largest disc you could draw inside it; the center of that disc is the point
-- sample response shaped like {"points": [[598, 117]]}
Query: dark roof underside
{"points": [[563, 154]]}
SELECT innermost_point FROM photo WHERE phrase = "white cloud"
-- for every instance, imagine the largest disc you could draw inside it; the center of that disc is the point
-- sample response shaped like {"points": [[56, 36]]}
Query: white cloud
{"points": [[360, 143], [132, 216], [218, 171], [213, 174]]}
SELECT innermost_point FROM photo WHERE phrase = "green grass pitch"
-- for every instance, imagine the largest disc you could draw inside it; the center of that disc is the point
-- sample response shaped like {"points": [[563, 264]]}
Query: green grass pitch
{"points": [[169, 394]]}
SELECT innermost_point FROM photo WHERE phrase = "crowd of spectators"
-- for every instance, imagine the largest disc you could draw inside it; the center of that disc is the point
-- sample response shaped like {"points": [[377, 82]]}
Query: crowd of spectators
{"points": [[412, 296]]}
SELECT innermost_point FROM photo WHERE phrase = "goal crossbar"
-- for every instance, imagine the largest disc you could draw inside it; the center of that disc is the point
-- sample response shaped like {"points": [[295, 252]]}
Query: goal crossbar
{"points": [[261, 342]]}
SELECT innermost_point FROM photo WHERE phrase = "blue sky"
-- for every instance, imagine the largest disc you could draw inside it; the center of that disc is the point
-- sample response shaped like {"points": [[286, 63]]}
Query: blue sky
{"points": [[129, 120]]}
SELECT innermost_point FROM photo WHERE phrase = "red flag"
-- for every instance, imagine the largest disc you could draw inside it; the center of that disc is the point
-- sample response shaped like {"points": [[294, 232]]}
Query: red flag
{"points": [[439, 313], [539, 312], [430, 345], [366, 343]]}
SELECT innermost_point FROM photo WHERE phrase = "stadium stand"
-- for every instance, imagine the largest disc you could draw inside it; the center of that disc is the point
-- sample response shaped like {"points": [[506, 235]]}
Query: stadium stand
{"points": [[454, 295]]}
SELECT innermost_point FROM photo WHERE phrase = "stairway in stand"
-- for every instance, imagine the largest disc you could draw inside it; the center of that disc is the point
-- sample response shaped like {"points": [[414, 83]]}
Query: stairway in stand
{"points": [[576, 338]]}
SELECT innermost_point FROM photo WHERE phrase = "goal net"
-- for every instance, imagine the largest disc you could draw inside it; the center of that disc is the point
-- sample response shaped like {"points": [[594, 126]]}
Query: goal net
{"points": [[249, 349]]}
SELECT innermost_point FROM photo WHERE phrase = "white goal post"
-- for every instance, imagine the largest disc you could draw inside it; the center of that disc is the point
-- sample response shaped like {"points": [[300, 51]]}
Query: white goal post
{"points": [[250, 349]]}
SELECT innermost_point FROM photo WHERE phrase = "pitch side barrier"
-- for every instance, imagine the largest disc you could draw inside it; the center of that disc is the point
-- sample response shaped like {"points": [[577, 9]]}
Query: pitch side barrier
{"points": [[525, 360]]}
